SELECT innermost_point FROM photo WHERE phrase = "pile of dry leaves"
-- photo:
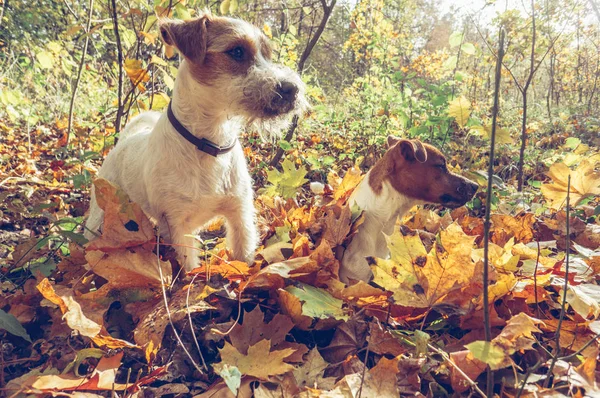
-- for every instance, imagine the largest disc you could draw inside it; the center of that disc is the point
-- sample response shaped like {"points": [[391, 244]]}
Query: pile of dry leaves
{"points": [[118, 315]]}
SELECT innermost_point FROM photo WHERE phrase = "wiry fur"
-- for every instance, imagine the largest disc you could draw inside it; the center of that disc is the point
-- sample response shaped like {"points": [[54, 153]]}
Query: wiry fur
{"points": [[178, 186]]}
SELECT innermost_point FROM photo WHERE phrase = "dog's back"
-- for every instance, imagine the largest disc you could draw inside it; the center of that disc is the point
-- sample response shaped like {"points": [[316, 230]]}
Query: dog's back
{"points": [[144, 122]]}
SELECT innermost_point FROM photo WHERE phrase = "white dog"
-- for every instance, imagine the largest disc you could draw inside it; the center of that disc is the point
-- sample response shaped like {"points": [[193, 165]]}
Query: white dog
{"points": [[186, 165]]}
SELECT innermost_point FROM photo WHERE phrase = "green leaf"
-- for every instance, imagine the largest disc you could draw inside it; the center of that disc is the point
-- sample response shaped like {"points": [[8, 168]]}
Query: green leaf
{"points": [[455, 39], [45, 59], [572, 142], [286, 183], [450, 63], [77, 238], [286, 146], [487, 352], [421, 341], [224, 8], [468, 48], [182, 12], [232, 377], [9, 323], [317, 303]]}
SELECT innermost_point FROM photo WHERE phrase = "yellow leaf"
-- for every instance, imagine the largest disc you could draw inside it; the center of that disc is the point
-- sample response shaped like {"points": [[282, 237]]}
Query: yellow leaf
{"points": [[352, 178], [420, 279], [260, 361], [149, 38], [137, 74], [157, 60], [585, 181], [460, 109]]}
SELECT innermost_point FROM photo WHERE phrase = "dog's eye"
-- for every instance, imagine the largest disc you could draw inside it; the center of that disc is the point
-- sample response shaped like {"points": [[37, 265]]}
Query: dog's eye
{"points": [[236, 53]]}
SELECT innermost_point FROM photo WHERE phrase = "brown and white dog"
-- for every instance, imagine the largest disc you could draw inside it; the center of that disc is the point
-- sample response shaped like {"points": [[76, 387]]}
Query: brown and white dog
{"points": [[225, 81], [409, 173]]}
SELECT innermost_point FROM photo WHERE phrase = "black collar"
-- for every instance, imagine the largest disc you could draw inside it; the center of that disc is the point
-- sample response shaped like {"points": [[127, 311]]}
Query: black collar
{"points": [[202, 144]]}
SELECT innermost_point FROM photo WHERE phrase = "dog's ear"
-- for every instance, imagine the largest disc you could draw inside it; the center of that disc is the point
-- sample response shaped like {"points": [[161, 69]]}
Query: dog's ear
{"points": [[392, 140], [413, 150], [189, 37]]}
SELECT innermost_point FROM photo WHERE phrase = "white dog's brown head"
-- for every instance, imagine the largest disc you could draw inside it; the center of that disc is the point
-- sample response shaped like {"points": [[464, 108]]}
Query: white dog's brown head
{"points": [[232, 60]]}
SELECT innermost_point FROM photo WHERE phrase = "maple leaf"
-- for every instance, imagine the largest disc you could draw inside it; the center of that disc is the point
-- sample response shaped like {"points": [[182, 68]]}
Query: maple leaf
{"points": [[419, 279], [380, 381], [125, 224], [254, 329], [350, 181], [460, 109], [310, 373], [125, 269], [259, 362], [285, 183], [349, 337], [584, 182], [338, 221]]}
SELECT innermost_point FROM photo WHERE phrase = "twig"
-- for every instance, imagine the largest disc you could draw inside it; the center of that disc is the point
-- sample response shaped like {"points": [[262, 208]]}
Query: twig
{"points": [[535, 292], [189, 313], [166, 302], [362, 378], [563, 304], [120, 62], [458, 369], [79, 72], [488, 209]]}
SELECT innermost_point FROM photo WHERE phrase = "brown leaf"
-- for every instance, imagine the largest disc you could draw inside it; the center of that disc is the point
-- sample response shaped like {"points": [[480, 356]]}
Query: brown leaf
{"points": [[471, 366], [338, 220], [125, 269], [310, 373], [254, 329], [349, 337], [382, 342], [125, 224]]}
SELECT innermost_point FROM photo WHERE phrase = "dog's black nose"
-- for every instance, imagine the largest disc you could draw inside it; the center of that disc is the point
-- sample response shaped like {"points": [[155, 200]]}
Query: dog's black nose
{"points": [[287, 91], [468, 188]]}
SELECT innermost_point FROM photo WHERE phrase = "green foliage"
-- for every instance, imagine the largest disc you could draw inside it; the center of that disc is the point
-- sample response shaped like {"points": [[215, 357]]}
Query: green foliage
{"points": [[9, 323]]}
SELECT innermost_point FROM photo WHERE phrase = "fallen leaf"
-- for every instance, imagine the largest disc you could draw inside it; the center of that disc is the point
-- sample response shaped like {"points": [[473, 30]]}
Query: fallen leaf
{"points": [[125, 224], [584, 182], [317, 303], [310, 373], [419, 279], [259, 362]]}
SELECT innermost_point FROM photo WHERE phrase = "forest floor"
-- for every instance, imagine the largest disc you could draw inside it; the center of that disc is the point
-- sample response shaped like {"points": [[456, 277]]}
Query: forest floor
{"points": [[78, 316]]}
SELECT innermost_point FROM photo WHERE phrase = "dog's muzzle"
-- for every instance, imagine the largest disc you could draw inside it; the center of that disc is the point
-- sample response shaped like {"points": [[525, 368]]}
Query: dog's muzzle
{"points": [[464, 192], [283, 99]]}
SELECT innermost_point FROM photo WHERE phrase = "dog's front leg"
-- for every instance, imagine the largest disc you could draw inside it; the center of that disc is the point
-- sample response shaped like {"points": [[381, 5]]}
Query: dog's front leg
{"points": [[177, 231], [242, 233]]}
